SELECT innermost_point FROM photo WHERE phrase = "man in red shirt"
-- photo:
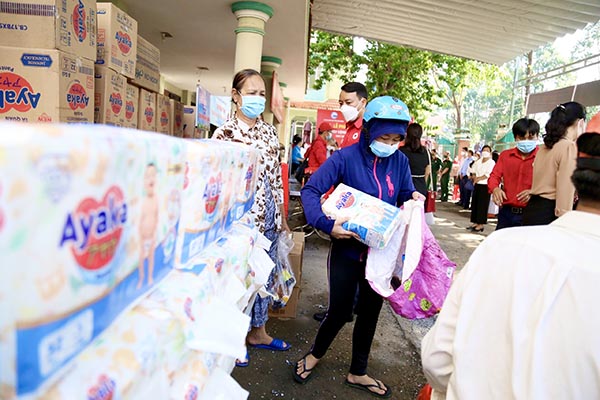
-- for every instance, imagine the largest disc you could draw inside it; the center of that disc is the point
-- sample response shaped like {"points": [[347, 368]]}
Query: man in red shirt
{"points": [[353, 100], [511, 178]]}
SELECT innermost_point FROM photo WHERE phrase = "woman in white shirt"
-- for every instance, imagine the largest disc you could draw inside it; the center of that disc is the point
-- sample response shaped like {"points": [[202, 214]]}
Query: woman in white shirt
{"points": [[481, 171]]}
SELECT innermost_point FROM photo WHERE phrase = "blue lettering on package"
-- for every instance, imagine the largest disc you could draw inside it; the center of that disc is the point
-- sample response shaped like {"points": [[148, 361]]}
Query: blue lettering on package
{"points": [[44, 349], [36, 60]]}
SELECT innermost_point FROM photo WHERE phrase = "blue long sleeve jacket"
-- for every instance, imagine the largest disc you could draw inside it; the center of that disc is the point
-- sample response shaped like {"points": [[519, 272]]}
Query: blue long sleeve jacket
{"points": [[388, 179]]}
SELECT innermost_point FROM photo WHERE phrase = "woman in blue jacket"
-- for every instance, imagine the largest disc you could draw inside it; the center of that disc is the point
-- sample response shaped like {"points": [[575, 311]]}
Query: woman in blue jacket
{"points": [[374, 166]]}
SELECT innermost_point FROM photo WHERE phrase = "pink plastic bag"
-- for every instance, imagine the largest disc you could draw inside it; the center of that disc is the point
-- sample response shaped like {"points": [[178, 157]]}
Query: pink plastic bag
{"points": [[423, 293]]}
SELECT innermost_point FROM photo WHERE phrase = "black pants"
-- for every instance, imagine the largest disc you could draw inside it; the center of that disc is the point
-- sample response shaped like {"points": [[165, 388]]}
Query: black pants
{"points": [[480, 204], [345, 274], [539, 211]]}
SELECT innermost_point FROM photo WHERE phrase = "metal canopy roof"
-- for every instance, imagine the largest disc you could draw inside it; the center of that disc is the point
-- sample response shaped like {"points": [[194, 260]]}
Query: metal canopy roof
{"points": [[493, 31]]}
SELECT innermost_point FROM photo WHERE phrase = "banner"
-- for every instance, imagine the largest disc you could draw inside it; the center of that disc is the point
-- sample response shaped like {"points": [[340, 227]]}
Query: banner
{"points": [[203, 108], [335, 118], [220, 107], [277, 100]]}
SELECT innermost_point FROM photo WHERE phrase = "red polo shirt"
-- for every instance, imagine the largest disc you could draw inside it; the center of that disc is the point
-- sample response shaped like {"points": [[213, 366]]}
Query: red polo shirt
{"points": [[353, 129], [515, 172]]}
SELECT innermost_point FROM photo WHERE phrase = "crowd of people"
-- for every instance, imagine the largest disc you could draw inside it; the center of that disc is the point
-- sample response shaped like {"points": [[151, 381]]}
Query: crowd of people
{"points": [[515, 323]]}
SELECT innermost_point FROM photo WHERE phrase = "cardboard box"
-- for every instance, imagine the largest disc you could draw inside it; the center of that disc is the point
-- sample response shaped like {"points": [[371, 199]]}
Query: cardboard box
{"points": [[296, 256], [163, 113], [189, 122], [109, 102], [291, 308], [117, 39], [147, 67], [132, 102], [147, 111], [67, 25], [40, 85], [176, 118]]}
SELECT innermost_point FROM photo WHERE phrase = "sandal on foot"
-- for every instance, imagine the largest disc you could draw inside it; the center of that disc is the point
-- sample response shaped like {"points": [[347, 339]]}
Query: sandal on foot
{"points": [[275, 345], [298, 376], [367, 388], [245, 363]]}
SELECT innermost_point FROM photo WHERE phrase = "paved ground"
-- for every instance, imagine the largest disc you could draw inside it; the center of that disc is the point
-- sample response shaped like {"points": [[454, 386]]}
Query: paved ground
{"points": [[394, 356]]}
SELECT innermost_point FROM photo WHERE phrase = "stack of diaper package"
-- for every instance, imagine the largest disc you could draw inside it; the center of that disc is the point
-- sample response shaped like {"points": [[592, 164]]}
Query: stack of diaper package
{"points": [[128, 261]]}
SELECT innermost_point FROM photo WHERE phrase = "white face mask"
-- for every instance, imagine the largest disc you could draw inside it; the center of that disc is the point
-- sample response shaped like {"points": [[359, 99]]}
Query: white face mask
{"points": [[350, 113], [485, 154]]}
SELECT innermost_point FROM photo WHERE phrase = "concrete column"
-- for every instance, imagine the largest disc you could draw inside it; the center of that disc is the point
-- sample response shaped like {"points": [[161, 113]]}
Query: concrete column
{"points": [[269, 65], [251, 16]]}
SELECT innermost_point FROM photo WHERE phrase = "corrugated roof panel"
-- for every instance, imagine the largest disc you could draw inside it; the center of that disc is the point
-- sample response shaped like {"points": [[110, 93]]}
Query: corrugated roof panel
{"points": [[490, 31]]}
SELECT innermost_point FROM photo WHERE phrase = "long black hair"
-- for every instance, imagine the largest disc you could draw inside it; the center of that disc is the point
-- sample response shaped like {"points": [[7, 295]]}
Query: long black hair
{"points": [[586, 178], [561, 118], [413, 138]]}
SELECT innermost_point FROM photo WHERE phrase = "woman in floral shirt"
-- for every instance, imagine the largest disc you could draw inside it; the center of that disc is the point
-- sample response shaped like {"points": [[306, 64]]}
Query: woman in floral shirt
{"points": [[248, 95]]}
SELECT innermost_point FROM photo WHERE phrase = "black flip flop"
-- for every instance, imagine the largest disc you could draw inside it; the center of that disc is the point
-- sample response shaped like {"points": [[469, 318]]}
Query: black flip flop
{"points": [[386, 395], [297, 376]]}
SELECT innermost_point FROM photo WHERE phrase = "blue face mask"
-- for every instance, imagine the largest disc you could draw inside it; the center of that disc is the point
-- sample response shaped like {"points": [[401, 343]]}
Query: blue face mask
{"points": [[526, 146], [382, 150], [253, 106]]}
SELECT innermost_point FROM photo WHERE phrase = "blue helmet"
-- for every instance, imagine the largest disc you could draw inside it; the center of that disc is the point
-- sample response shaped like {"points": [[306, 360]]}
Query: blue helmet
{"points": [[386, 107]]}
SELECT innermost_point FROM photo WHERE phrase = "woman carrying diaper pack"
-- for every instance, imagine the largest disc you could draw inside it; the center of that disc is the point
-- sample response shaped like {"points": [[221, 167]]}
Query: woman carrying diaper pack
{"points": [[246, 126], [374, 166]]}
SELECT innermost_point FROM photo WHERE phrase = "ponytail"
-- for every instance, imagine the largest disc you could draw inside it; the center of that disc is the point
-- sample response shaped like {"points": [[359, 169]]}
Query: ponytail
{"points": [[561, 118]]}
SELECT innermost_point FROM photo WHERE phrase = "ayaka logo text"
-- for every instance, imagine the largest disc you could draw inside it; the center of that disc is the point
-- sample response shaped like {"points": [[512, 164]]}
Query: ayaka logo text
{"points": [[77, 97], [16, 93], [346, 200], [94, 230], [124, 42], [79, 21]]}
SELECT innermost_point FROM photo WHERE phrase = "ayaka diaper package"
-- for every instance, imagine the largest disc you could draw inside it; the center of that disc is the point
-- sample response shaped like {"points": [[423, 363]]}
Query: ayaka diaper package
{"points": [[90, 216], [222, 191], [373, 220]]}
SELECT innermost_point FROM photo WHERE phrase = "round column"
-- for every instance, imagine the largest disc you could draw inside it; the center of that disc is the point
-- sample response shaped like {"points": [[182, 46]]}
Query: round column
{"points": [[251, 16]]}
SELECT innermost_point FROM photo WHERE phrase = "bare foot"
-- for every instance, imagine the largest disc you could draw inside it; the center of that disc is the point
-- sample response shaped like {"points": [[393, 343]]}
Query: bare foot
{"points": [[378, 386], [305, 365]]}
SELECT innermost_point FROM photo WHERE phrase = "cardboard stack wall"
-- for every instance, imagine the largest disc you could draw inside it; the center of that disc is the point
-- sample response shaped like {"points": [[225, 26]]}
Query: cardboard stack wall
{"points": [[109, 102]]}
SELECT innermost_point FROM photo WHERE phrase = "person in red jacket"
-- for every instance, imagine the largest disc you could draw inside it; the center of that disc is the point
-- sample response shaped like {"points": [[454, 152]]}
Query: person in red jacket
{"points": [[510, 181], [317, 153]]}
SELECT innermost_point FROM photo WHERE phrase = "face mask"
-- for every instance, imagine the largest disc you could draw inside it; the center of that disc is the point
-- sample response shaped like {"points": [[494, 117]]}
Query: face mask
{"points": [[526, 146], [463, 154], [329, 136], [381, 149], [485, 154], [253, 106], [350, 113]]}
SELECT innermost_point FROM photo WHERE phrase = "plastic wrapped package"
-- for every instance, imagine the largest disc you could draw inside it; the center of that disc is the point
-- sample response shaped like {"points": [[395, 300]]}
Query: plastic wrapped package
{"points": [[219, 188], [413, 273], [102, 209], [373, 220], [127, 361], [281, 286]]}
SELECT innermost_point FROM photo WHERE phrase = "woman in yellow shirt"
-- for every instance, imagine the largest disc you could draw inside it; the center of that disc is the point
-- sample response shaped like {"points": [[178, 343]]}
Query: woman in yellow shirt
{"points": [[552, 192]]}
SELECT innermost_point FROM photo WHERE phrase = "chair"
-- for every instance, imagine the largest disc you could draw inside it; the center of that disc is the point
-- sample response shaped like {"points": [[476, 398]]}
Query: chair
{"points": [[308, 230]]}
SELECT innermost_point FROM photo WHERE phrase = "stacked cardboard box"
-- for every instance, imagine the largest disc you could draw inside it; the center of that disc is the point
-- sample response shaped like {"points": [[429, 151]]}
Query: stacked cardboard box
{"points": [[147, 111], [117, 39], [109, 102], [176, 118], [132, 102], [189, 122], [47, 49], [163, 113], [147, 67]]}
